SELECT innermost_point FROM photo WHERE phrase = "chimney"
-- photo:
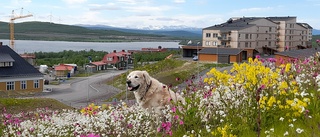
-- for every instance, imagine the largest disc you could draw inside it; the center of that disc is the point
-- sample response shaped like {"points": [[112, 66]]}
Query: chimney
{"points": [[114, 51]]}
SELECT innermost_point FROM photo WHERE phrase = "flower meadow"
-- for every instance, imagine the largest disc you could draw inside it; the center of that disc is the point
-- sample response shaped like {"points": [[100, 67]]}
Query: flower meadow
{"points": [[255, 98]]}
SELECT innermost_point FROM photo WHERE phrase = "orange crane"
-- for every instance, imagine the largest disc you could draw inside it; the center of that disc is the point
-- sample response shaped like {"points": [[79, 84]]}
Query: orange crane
{"points": [[13, 17]]}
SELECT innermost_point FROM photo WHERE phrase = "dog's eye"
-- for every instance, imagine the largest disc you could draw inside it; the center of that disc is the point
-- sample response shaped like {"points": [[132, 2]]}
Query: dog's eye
{"points": [[135, 76]]}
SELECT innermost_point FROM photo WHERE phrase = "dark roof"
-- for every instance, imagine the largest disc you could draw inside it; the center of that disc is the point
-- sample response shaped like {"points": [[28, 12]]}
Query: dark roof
{"points": [[225, 51], [306, 25], [20, 66], [302, 53], [244, 22], [282, 18], [192, 47], [6, 58]]}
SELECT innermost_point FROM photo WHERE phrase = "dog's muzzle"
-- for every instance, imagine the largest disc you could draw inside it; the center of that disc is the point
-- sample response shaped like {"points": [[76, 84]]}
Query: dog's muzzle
{"points": [[131, 87]]}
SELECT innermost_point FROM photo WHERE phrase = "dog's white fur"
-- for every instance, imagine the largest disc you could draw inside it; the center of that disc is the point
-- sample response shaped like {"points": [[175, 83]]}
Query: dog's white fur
{"points": [[149, 92]]}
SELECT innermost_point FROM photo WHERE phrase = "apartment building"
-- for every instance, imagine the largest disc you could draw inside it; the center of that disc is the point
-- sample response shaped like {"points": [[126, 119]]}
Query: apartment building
{"points": [[263, 35]]}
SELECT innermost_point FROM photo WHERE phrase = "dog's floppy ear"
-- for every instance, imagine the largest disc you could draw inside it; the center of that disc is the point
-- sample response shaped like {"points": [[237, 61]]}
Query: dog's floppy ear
{"points": [[146, 77]]}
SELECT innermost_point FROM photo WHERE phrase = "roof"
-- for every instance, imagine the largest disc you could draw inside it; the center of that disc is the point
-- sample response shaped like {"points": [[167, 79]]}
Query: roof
{"points": [[225, 51], [98, 63], [235, 24], [244, 22], [4, 57], [306, 25], [20, 66], [302, 53], [282, 18], [63, 67], [192, 47]]}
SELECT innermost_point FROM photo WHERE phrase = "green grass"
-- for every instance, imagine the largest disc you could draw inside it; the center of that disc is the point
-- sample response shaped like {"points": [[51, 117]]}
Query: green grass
{"points": [[15, 105]]}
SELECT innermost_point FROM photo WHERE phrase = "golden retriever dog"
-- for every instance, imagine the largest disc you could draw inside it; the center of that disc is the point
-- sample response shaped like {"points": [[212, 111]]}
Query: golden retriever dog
{"points": [[149, 92]]}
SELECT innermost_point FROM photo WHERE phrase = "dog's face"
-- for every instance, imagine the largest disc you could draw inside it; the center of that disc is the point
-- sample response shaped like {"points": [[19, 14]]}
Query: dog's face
{"points": [[137, 80]]}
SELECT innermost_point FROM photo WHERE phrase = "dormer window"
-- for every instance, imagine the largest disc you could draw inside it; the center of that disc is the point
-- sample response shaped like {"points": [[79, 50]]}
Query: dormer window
{"points": [[6, 60], [109, 58]]}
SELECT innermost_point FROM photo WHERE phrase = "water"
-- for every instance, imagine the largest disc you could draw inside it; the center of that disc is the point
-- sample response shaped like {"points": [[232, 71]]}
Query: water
{"points": [[30, 46]]}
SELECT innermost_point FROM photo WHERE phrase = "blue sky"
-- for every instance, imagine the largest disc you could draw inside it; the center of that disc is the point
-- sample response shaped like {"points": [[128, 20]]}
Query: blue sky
{"points": [[157, 13]]}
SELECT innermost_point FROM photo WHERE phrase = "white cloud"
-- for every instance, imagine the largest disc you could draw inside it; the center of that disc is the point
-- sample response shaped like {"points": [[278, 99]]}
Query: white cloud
{"points": [[255, 9], [70, 2], [179, 1], [108, 6], [148, 9], [134, 2]]}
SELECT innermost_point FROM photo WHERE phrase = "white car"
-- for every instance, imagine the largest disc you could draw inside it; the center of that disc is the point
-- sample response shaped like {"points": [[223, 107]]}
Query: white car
{"points": [[195, 58]]}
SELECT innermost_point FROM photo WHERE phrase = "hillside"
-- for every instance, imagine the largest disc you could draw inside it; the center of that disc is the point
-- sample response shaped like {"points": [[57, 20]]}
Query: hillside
{"points": [[188, 33], [52, 31]]}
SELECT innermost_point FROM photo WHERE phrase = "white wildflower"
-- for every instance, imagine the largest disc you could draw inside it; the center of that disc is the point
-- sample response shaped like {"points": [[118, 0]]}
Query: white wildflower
{"points": [[286, 133], [291, 125], [272, 129], [281, 119], [299, 130]]}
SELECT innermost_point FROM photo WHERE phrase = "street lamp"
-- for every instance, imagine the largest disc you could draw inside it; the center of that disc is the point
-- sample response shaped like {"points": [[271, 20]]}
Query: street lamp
{"points": [[88, 99], [198, 60]]}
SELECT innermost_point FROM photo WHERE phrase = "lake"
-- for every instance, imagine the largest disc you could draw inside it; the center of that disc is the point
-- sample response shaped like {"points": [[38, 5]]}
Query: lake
{"points": [[30, 46]]}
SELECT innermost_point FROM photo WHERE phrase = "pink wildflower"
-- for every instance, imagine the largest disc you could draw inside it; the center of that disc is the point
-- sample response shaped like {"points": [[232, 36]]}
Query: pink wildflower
{"points": [[263, 86], [181, 122], [177, 79], [176, 117], [257, 56], [129, 125], [174, 109]]}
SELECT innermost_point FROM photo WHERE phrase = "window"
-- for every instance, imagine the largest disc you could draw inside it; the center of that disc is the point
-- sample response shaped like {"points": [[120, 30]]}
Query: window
{"points": [[207, 43], [246, 44], [6, 64], [269, 43], [239, 35], [36, 83], [208, 35], [214, 43], [23, 85], [109, 58], [10, 85], [270, 29], [214, 35], [247, 36]]}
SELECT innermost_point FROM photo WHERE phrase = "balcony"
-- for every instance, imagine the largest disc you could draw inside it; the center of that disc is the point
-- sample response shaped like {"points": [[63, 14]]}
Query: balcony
{"points": [[224, 38]]}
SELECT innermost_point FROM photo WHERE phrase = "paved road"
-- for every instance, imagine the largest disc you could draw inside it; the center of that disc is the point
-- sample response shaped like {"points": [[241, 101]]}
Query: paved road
{"points": [[79, 92]]}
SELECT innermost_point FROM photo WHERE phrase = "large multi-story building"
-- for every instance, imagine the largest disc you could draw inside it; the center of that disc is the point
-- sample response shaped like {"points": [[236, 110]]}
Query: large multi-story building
{"points": [[263, 35]]}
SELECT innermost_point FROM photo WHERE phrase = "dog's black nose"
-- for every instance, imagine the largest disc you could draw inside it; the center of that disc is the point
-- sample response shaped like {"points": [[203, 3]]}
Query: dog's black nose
{"points": [[128, 82]]}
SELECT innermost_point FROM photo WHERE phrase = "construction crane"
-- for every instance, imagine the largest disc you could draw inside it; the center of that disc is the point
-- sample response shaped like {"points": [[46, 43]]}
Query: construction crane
{"points": [[14, 17]]}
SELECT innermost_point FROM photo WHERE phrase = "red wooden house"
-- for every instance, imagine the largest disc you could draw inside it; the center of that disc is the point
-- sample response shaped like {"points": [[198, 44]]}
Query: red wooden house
{"points": [[117, 60]]}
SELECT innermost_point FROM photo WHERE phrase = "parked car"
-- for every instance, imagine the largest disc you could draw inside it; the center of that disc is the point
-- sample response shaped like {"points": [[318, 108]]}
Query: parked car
{"points": [[195, 58]]}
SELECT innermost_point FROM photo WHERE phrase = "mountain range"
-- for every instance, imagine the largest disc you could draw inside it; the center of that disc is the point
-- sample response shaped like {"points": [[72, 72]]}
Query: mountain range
{"points": [[171, 31]]}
